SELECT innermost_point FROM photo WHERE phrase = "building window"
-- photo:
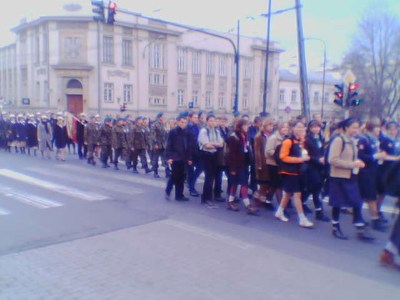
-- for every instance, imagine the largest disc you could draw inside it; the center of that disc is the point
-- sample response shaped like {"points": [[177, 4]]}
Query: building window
{"points": [[157, 100], [108, 50], [222, 65], [209, 64], [46, 91], [108, 92], [245, 102], [37, 91], [157, 56], [247, 69], [196, 62], [72, 47], [294, 96], [208, 99], [157, 79], [127, 52], [221, 100], [282, 95], [128, 93], [181, 97], [181, 60], [195, 98], [326, 97], [316, 97]]}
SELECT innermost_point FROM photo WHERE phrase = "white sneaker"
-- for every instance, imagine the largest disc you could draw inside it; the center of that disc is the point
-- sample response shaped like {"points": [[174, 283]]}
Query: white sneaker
{"points": [[281, 216], [306, 223]]}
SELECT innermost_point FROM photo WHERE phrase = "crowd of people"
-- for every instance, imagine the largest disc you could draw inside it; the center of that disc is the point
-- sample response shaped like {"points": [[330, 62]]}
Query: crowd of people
{"points": [[267, 163]]}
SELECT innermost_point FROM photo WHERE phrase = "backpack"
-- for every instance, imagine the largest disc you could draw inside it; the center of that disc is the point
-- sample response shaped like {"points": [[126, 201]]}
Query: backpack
{"points": [[277, 152], [328, 148]]}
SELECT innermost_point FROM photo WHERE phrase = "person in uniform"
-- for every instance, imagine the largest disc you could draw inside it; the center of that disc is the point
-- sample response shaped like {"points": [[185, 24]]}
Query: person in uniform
{"points": [[60, 138], [31, 132], [80, 136], [12, 134], [118, 141], [91, 137], [3, 131], [45, 137], [158, 141], [105, 142], [21, 135], [139, 146], [370, 154]]}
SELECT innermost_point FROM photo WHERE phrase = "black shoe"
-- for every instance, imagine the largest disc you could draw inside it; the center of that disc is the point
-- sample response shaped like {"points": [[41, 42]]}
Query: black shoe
{"points": [[337, 232], [104, 166], [183, 198], [116, 167], [379, 225], [156, 175], [128, 165], [306, 209], [320, 216], [194, 194], [134, 170], [364, 235], [148, 170], [209, 204]]}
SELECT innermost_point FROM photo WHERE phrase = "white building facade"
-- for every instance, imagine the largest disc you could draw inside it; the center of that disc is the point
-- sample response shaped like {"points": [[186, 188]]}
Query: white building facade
{"points": [[75, 64]]}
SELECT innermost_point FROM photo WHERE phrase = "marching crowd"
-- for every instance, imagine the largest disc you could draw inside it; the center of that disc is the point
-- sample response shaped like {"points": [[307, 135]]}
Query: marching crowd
{"points": [[267, 163]]}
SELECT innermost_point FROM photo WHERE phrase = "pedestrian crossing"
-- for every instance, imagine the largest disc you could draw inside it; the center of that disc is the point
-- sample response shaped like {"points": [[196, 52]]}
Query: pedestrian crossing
{"points": [[33, 200]]}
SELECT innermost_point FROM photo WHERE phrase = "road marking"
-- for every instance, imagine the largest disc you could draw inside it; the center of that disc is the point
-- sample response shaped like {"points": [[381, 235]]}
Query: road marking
{"points": [[118, 188], [88, 196], [32, 200], [126, 176], [4, 212]]}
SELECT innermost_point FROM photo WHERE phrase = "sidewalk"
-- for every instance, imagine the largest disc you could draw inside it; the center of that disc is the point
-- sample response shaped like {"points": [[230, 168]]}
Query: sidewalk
{"points": [[172, 260]]}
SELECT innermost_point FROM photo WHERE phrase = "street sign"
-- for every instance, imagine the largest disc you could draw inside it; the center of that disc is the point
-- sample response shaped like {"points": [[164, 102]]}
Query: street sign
{"points": [[349, 77], [26, 101]]}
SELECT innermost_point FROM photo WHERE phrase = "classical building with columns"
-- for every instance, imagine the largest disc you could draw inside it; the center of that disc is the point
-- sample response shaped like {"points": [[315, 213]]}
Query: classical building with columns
{"points": [[72, 63]]}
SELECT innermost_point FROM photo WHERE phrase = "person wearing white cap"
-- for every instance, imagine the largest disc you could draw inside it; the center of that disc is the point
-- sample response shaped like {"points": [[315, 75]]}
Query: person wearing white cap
{"points": [[12, 134], [60, 138], [31, 131], [21, 134], [45, 136], [80, 136]]}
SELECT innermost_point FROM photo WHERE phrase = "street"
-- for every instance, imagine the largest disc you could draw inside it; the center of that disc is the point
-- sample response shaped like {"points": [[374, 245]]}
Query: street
{"points": [[73, 231]]}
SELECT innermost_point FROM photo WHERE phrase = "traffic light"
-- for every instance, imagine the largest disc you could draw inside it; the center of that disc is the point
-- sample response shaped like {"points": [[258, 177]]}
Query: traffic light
{"points": [[339, 94], [123, 107], [98, 10], [112, 7], [352, 95]]}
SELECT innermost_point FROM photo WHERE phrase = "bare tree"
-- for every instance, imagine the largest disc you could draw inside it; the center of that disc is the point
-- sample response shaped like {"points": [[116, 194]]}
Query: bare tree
{"points": [[375, 59]]}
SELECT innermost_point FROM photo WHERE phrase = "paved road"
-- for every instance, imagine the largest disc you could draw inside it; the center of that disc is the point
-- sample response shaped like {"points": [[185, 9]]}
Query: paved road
{"points": [[73, 231]]}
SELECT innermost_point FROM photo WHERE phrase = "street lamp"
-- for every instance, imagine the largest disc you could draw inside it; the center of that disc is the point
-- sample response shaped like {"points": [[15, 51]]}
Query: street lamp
{"points": [[323, 71]]}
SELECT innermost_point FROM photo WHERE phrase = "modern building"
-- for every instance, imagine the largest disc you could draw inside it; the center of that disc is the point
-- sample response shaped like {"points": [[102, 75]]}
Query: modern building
{"points": [[76, 64]]}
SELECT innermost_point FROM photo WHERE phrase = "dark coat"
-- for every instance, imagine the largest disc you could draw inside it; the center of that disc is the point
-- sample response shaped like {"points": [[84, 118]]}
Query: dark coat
{"points": [[80, 131], [91, 133], [32, 139], [60, 136], [118, 137], [178, 148], [138, 138], [314, 173], [260, 141], [158, 136], [236, 157]]}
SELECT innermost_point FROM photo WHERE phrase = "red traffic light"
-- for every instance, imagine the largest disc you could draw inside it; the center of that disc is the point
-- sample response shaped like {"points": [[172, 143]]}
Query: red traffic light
{"points": [[353, 86], [112, 6]]}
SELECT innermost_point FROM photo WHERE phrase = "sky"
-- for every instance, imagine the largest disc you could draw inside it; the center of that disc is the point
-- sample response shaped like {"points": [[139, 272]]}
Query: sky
{"points": [[334, 21]]}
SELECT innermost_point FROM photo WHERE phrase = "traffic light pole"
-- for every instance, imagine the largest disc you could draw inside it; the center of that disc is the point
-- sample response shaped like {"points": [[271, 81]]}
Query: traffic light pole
{"points": [[265, 91], [302, 63]]}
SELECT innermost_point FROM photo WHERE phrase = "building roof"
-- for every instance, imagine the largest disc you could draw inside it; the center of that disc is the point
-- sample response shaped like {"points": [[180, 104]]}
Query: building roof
{"points": [[313, 77]]}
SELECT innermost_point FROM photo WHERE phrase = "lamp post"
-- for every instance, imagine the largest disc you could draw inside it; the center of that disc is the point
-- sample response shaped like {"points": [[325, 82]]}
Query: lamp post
{"points": [[264, 112], [323, 71]]}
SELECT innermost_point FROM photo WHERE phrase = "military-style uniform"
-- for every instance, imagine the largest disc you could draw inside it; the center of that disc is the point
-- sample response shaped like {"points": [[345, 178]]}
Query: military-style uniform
{"points": [[127, 152], [158, 142], [118, 142], [91, 135], [139, 146], [105, 142]]}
